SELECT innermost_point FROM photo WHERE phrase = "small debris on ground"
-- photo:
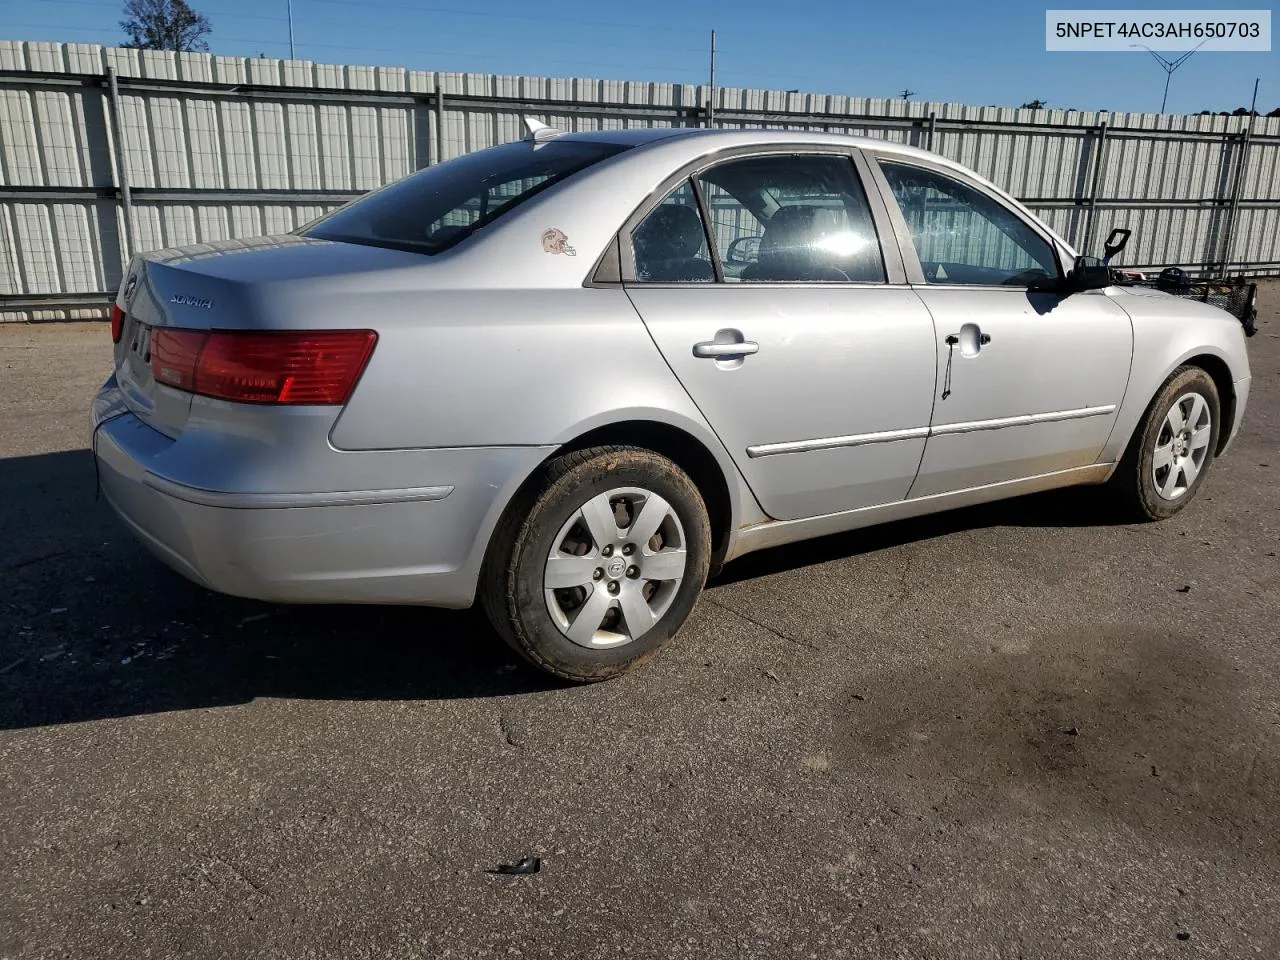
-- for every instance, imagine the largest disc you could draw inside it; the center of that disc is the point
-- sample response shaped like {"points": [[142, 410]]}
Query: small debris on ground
{"points": [[1072, 731], [524, 867], [1183, 935], [1185, 588]]}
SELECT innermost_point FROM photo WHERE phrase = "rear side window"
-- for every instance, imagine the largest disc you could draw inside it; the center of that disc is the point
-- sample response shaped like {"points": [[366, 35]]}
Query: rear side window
{"points": [[671, 243], [442, 205]]}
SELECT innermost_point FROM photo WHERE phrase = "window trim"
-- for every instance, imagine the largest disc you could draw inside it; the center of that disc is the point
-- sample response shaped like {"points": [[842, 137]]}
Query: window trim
{"points": [[704, 212], [895, 274], [608, 269], [911, 260]]}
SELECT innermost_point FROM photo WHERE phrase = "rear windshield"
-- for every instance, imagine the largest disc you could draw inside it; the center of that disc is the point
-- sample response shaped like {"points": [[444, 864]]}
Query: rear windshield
{"points": [[442, 205]]}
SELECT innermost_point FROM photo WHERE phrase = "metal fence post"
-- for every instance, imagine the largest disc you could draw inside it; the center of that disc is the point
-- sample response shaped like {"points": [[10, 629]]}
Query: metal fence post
{"points": [[439, 124], [1095, 177], [1220, 241], [1236, 189], [118, 158]]}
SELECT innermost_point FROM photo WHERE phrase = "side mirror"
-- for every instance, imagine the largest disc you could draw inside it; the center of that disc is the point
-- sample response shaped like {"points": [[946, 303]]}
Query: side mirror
{"points": [[1115, 243], [1089, 273]]}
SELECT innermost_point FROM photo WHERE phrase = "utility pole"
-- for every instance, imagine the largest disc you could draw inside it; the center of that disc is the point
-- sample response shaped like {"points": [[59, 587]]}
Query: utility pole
{"points": [[907, 94], [711, 94], [289, 7], [1253, 107], [1169, 65]]}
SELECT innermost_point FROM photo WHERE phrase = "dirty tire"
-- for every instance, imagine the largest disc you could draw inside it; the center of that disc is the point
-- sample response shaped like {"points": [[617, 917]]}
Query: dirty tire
{"points": [[1134, 483], [512, 588]]}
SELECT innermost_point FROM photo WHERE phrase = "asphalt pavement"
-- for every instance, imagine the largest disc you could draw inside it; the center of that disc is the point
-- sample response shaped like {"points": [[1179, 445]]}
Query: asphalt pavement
{"points": [[1019, 730]]}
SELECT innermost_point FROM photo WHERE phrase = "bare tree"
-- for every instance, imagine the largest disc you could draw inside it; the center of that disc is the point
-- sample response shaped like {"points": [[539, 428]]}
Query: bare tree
{"points": [[1035, 105], [164, 25]]}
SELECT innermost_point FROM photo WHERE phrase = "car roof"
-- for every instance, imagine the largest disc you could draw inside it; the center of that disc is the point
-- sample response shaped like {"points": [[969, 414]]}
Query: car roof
{"points": [[702, 140]]}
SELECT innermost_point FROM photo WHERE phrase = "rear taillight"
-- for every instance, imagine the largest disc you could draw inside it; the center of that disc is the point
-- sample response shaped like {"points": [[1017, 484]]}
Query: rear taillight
{"points": [[117, 323], [286, 367], [174, 354]]}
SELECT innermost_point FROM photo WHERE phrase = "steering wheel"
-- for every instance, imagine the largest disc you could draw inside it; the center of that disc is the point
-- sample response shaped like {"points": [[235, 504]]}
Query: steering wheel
{"points": [[733, 253]]}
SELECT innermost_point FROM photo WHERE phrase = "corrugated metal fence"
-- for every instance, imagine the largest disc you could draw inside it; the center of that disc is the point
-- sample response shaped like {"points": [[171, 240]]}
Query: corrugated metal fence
{"points": [[106, 151]]}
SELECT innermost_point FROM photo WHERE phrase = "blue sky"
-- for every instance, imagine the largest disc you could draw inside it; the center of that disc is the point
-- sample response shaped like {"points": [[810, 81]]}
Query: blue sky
{"points": [[982, 54]]}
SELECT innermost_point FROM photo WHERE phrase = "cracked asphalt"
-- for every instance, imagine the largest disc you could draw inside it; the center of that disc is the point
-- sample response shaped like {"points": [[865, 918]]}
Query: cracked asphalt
{"points": [[1021, 730]]}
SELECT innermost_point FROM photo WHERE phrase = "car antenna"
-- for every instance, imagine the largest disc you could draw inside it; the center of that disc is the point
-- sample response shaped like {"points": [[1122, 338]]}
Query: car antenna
{"points": [[539, 130]]}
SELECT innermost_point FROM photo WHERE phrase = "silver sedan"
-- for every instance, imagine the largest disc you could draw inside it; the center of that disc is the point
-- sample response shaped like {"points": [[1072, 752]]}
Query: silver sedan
{"points": [[573, 374]]}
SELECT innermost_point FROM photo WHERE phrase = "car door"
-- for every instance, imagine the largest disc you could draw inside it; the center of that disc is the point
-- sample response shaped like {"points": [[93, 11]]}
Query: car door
{"points": [[1029, 382], [790, 325]]}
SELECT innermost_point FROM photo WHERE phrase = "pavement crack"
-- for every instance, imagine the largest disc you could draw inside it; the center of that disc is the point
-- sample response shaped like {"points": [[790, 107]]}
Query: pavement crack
{"points": [[40, 559], [900, 592], [231, 884], [504, 728], [808, 644]]}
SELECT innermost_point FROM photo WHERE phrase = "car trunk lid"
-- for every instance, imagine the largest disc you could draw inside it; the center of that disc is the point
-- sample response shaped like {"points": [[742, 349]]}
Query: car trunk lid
{"points": [[221, 286]]}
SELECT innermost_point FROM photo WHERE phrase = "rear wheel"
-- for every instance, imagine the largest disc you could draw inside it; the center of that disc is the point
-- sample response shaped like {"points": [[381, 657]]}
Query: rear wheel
{"points": [[600, 565], [1172, 451]]}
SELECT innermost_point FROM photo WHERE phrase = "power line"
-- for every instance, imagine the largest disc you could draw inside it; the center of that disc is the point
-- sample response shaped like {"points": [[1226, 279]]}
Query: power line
{"points": [[414, 8], [539, 18], [216, 13], [366, 7], [302, 22], [258, 43], [309, 22], [261, 43], [747, 75]]}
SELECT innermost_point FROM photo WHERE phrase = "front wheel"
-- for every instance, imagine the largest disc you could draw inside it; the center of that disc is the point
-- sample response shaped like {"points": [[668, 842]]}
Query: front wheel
{"points": [[600, 565], [1170, 455]]}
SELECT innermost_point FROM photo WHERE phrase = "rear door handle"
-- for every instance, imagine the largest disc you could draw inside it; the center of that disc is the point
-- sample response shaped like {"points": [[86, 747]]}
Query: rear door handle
{"points": [[723, 351]]}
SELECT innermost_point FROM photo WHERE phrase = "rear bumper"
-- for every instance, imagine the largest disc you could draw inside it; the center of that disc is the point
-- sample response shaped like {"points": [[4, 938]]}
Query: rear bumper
{"points": [[420, 544]]}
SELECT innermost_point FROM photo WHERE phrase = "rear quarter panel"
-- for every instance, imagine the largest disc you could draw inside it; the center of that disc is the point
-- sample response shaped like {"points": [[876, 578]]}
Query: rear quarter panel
{"points": [[1167, 332], [469, 368], [497, 368]]}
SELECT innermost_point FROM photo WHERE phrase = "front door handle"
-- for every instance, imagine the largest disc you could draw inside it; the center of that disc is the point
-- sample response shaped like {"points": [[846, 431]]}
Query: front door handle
{"points": [[723, 351], [970, 339], [729, 344]]}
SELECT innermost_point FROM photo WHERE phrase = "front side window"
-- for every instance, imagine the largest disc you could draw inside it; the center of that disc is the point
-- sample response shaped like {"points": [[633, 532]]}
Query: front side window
{"points": [[964, 236], [443, 205], [670, 243], [792, 219]]}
